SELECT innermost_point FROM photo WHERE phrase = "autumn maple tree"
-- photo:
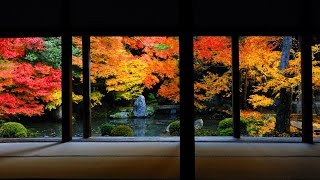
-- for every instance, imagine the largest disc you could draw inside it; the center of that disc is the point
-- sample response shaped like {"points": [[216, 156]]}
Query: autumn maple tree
{"points": [[128, 66], [25, 87], [269, 71], [212, 71]]}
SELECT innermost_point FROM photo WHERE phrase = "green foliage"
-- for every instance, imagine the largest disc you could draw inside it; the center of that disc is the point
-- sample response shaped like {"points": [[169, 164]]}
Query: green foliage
{"points": [[161, 47], [150, 111], [106, 129], [2, 122], [33, 133], [117, 115], [225, 132], [225, 127], [50, 56], [204, 132], [13, 130], [52, 53], [75, 50], [248, 127], [122, 130], [254, 126], [174, 128], [151, 99]]}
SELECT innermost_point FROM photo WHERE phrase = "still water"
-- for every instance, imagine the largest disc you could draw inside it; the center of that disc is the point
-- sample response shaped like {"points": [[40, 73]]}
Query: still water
{"points": [[151, 126]]}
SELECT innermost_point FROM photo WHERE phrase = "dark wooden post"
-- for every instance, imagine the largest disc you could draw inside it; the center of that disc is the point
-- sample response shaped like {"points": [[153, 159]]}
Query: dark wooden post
{"points": [[235, 86], [66, 74], [86, 86]]}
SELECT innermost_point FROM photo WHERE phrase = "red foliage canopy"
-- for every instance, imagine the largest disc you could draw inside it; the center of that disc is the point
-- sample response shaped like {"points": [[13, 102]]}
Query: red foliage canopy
{"points": [[16, 47], [25, 88]]}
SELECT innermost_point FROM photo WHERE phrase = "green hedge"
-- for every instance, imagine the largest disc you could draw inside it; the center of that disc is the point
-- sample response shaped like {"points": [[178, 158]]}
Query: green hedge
{"points": [[122, 130], [13, 130], [174, 128], [106, 129], [225, 127]]}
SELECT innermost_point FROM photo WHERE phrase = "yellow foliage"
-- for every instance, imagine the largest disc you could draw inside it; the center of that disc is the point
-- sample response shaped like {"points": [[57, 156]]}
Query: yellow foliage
{"points": [[56, 100], [260, 101], [315, 67], [76, 98], [127, 79], [96, 97], [211, 85]]}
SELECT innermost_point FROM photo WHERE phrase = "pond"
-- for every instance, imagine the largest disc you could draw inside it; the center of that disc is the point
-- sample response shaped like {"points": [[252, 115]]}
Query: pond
{"points": [[151, 126]]}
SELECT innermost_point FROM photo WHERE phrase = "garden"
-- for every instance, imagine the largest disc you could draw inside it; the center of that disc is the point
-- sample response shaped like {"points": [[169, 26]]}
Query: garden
{"points": [[139, 72]]}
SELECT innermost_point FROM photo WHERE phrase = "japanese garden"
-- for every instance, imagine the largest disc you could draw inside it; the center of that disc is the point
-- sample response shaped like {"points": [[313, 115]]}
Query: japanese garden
{"points": [[135, 86]]}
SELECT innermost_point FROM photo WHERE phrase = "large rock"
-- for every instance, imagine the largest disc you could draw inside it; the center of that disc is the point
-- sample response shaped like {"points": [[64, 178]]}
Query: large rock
{"points": [[140, 107], [198, 124]]}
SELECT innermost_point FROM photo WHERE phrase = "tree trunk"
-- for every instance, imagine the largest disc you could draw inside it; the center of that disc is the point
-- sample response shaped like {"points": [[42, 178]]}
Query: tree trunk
{"points": [[245, 90], [283, 112], [284, 109]]}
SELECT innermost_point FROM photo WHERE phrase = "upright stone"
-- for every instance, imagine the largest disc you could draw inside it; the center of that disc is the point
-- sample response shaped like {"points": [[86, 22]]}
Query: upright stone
{"points": [[140, 107]]}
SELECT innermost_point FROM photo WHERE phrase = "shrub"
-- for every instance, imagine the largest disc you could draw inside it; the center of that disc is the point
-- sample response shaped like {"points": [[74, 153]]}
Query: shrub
{"points": [[174, 128], [2, 122], [225, 127], [13, 130], [122, 130], [152, 100], [274, 133], [204, 132], [106, 129], [33, 133], [254, 126]]}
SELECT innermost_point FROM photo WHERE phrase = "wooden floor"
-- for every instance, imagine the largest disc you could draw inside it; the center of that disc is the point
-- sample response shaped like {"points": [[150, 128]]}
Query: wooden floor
{"points": [[157, 160]]}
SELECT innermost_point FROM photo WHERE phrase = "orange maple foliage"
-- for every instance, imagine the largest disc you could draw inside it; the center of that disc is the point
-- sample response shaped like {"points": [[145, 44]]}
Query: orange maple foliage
{"points": [[129, 65], [212, 66]]}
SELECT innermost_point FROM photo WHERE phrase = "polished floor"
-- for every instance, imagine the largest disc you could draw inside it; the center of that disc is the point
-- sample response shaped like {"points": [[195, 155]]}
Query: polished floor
{"points": [[157, 160]]}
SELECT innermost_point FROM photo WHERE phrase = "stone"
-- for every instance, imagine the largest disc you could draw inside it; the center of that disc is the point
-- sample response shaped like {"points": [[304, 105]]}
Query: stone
{"points": [[167, 128], [140, 107], [120, 115], [198, 124]]}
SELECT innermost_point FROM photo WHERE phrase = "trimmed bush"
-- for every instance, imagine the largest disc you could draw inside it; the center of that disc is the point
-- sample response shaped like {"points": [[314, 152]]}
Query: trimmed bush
{"points": [[122, 130], [106, 129], [2, 122], [225, 127], [174, 128], [33, 133], [204, 132], [13, 130]]}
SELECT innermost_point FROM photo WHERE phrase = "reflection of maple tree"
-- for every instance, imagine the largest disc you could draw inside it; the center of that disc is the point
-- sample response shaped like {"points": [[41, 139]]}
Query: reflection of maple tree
{"points": [[25, 88]]}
